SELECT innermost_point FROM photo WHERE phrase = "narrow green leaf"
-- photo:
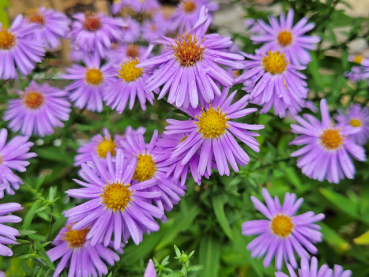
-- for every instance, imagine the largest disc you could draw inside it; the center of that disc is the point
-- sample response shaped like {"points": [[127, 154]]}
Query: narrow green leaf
{"points": [[26, 232], [29, 216], [363, 239], [341, 202], [218, 206], [333, 238], [210, 256]]}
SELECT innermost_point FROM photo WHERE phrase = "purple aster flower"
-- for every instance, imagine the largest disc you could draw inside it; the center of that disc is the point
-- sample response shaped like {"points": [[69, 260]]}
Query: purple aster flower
{"points": [[83, 258], [312, 270], [155, 27], [327, 149], [53, 25], [115, 205], [151, 171], [150, 270], [2, 274], [144, 5], [8, 233], [273, 82], [187, 13], [287, 38], [360, 72], [13, 155], [100, 145], [95, 32], [357, 117], [131, 31], [16, 47], [211, 131], [283, 233], [38, 110], [129, 83], [90, 82], [125, 52], [189, 71]]}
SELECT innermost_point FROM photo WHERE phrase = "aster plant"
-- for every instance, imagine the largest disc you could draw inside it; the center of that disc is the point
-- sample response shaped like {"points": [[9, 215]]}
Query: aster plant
{"points": [[38, 110], [283, 233], [8, 234], [18, 49], [182, 69], [327, 150]]}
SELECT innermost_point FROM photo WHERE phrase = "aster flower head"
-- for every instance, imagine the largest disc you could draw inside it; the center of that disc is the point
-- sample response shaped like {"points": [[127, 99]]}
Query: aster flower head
{"points": [[327, 150], [314, 271], [190, 70], [8, 234], [95, 32], [144, 6], [115, 204], [129, 83], [360, 72], [357, 117], [76, 251], [151, 170], [13, 156], [187, 13], [53, 26], [125, 52], [38, 110], [18, 49], [154, 27], [212, 131], [285, 37], [283, 233], [90, 82], [150, 270], [273, 82], [101, 145]]}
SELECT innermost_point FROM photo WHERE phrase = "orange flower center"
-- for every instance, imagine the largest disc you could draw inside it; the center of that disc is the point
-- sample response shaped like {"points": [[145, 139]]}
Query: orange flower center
{"points": [[132, 51], [75, 238], [116, 196], [187, 50], [94, 76], [331, 139], [189, 6], [282, 226], [355, 122], [92, 22], [106, 146], [275, 62], [33, 100], [7, 39], [285, 38]]}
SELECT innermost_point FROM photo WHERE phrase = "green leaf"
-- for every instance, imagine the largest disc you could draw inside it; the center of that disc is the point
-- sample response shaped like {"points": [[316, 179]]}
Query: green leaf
{"points": [[363, 239], [313, 68], [341, 202], [29, 216], [210, 256], [334, 239], [218, 206], [26, 232], [195, 268]]}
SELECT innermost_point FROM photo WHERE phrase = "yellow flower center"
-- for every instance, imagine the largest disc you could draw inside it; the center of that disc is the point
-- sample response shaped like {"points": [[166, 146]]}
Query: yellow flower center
{"points": [[355, 122], [358, 59], [187, 50], [285, 38], [94, 76], [33, 100], [331, 139], [75, 238], [275, 62], [282, 226], [92, 22], [106, 146], [129, 72], [116, 196], [132, 51], [7, 39], [189, 6], [145, 168], [212, 123], [35, 17]]}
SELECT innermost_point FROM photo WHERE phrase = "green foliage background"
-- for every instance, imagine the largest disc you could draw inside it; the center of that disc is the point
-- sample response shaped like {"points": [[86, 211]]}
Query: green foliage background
{"points": [[209, 217]]}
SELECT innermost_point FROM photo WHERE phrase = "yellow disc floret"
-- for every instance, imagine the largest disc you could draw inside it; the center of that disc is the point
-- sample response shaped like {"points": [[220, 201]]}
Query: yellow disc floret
{"points": [[282, 226], [7, 39], [94, 76], [355, 122], [331, 139], [129, 72], [105, 146], [189, 6], [285, 38], [145, 168], [116, 196], [33, 100], [275, 62], [212, 123], [187, 50], [358, 59], [75, 238]]}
